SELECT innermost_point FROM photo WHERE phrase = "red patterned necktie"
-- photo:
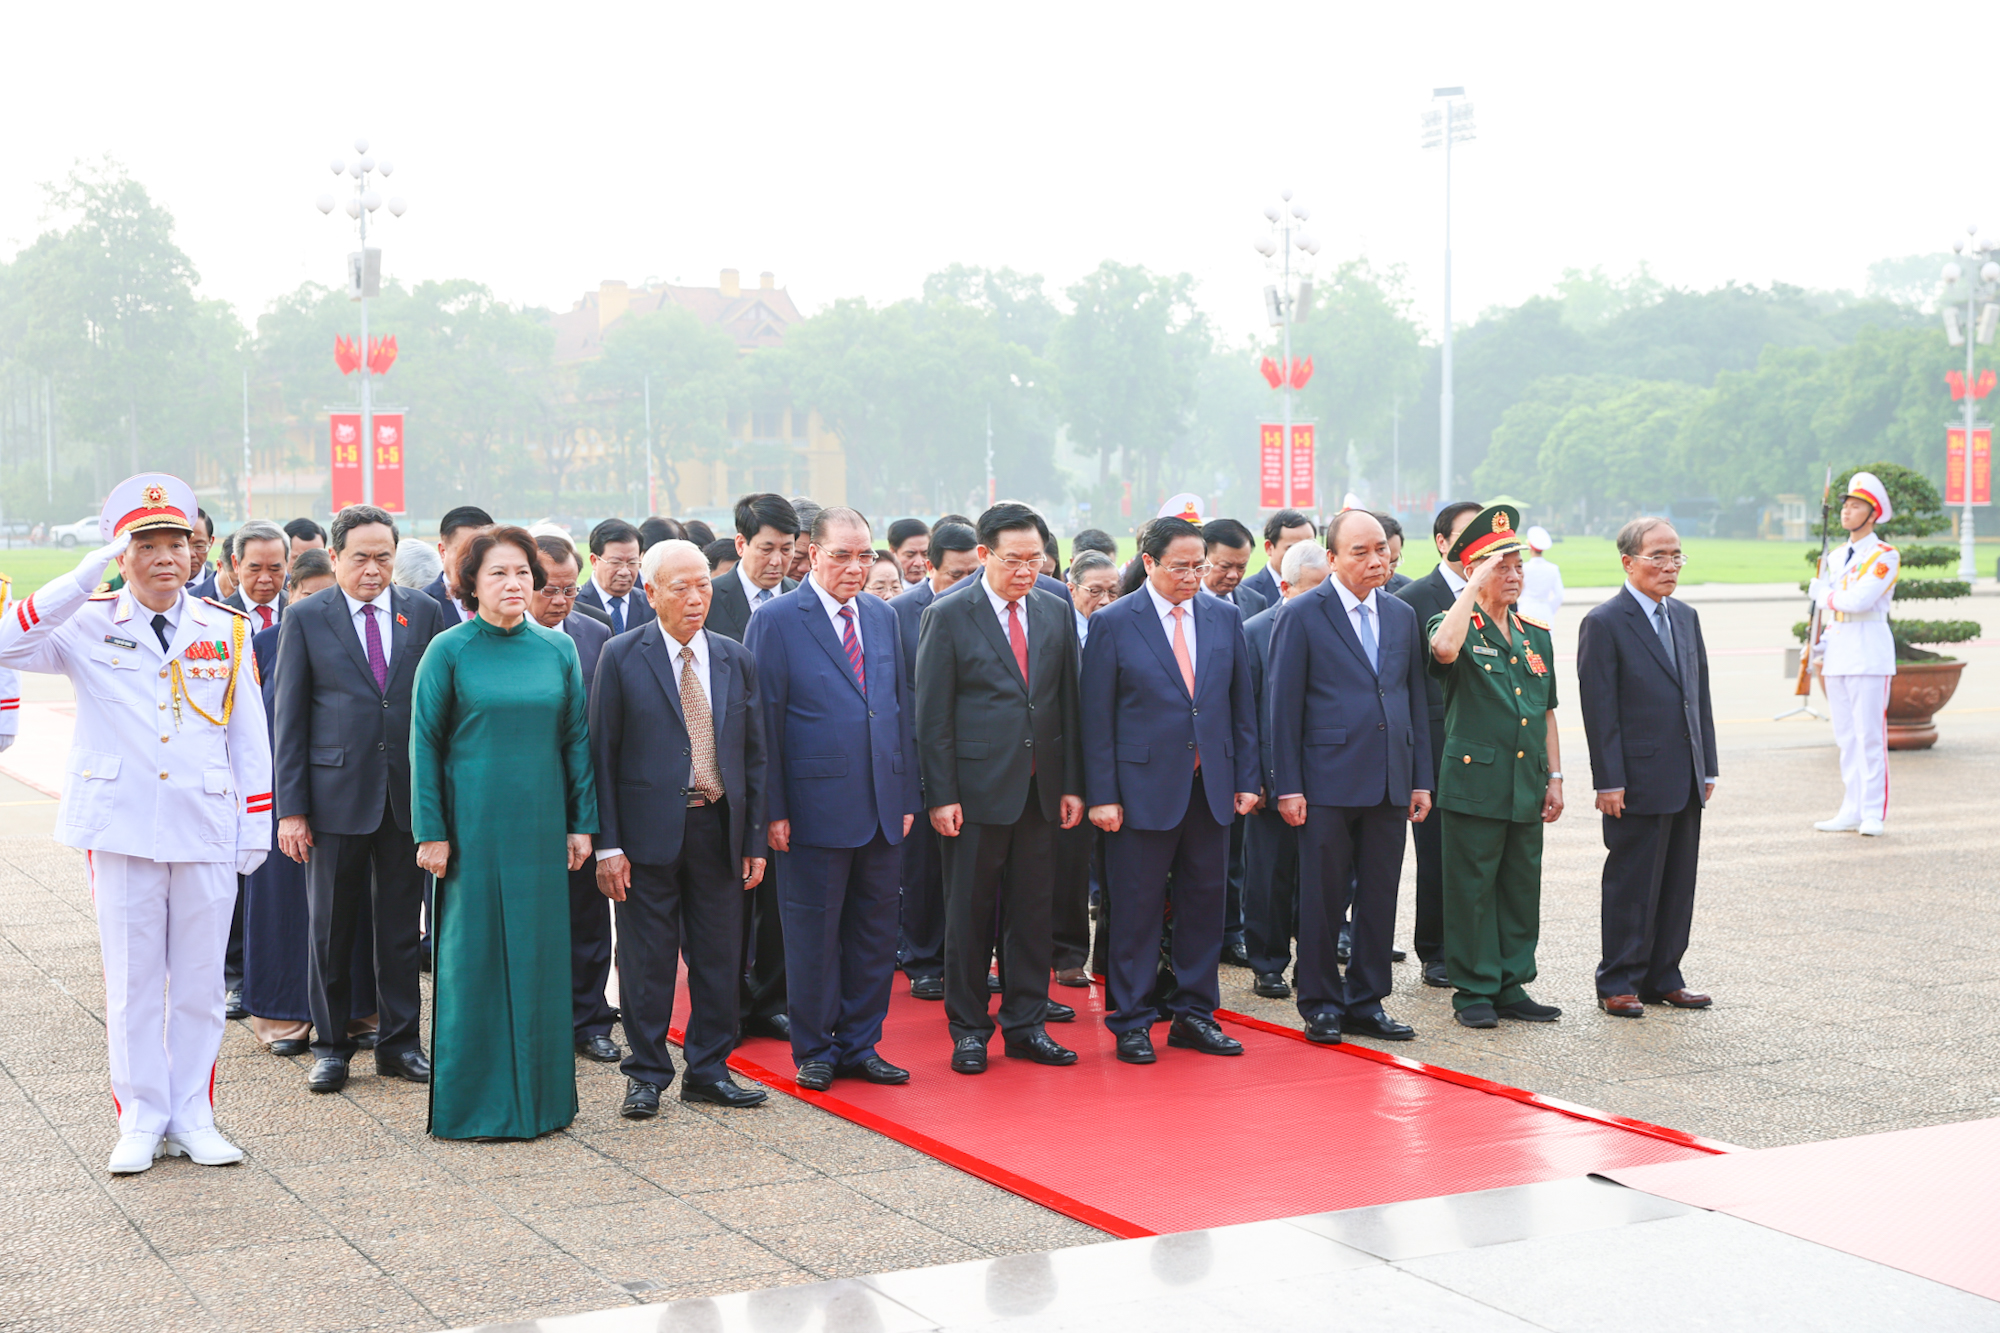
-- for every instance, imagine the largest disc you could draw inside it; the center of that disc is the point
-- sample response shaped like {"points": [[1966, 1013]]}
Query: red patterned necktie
{"points": [[852, 644], [1018, 637], [265, 612]]}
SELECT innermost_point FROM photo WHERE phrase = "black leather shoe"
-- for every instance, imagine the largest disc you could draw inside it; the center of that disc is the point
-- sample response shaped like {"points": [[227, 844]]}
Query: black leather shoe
{"points": [[1478, 1015], [642, 1100], [969, 1056], [1040, 1047], [1202, 1034], [1378, 1025], [1344, 950], [927, 988], [1397, 955], [408, 1064], [1236, 955], [1271, 985], [232, 1004], [1434, 975], [992, 983], [599, 1048], [1136, 1047], [1058, 1012], [722, 1092], [1527, 1011], [1323, 1029], [366, 1041], [776, 1025], [328, 1075], [874, 1070], [290, 1046], [814, 1076]]}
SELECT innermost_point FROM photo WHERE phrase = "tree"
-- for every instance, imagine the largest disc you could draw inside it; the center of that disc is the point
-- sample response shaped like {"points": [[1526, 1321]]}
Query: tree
{"points": [[1368, 364], [1617, 456], [695, 376], [1514, 464]]}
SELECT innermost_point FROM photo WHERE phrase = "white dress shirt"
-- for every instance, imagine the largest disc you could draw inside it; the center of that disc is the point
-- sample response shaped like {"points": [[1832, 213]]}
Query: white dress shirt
{"points": [[833, 608], [700, 645], [1352, 605], [383, 605], [1164, 609], [752, 591], [1452, 579], [624, 604], [1082, 629], [1000, 605]]}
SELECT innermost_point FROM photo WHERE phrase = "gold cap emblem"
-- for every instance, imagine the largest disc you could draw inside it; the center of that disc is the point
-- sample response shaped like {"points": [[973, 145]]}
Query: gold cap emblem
{"points": [[1500, 523], [154, 497]]}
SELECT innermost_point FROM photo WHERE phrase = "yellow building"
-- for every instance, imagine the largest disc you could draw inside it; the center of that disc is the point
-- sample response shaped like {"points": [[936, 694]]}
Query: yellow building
{"points": [[785, 449]]}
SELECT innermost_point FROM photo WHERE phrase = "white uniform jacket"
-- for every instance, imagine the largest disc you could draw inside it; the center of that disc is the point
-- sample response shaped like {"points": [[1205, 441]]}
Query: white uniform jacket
{"points": [[148, 775], [1854, 588]]}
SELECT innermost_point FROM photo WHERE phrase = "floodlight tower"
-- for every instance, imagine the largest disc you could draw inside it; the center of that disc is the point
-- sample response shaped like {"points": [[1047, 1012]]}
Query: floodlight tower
{"points": [[1448, 121], [364, 279], [1981, 290], [1287, 231]]}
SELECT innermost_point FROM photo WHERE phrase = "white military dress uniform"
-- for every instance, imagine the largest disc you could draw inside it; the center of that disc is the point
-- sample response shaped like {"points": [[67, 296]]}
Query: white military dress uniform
{"points": [[10, 680], [168, 791], [1857, 656]]}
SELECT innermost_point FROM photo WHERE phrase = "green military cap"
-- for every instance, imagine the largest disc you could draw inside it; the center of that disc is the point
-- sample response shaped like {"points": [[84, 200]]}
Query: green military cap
{"points": [[1494, 530]]}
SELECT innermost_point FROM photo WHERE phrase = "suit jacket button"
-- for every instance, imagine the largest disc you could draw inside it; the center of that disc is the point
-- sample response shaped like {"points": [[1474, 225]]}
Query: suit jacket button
{"points": [[1190, 745], [871, 712], [1381, 726], [381, 745], [1029, 743]]}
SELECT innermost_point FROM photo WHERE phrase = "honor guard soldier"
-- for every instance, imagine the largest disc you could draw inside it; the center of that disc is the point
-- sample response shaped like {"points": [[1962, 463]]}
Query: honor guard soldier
{"points": [[10, 680], [168, 792], [1501, 779], [1857, 654]]}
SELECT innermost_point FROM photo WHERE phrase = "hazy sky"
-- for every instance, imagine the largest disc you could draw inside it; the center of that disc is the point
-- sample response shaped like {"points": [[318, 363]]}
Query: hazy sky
{"points": [[852, 149]]}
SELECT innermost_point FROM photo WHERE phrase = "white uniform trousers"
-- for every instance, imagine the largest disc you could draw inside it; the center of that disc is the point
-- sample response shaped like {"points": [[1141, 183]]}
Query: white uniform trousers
{"points": [[1860, 707], [163, 927]]}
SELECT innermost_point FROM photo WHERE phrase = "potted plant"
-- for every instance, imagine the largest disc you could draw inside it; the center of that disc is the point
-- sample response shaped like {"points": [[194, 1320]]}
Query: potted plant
{"points": [[1925, 680]]}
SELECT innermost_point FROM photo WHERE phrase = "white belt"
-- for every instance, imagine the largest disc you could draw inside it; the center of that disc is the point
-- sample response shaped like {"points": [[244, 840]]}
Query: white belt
{"points": [[1859, 617]]}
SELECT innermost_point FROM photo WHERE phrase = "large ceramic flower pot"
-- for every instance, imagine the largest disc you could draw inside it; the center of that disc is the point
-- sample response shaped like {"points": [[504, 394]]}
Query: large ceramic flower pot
{"points": [[1916, 692]]}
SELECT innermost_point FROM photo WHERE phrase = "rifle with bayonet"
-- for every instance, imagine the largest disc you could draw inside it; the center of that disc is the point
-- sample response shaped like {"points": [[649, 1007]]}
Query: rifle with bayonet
{"points": [[1804, 687]]}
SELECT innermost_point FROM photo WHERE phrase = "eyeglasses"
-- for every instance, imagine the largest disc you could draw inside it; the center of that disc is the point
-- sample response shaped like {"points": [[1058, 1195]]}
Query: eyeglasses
{"points": [[555, 594], [1184, 571], [1094, 594], [1674, 561], [846, 559], [613, 562], [1229, 566], [1014, 564]]}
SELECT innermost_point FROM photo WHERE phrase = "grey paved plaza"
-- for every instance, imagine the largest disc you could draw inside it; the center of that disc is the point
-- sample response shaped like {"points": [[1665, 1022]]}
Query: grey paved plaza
{"points": [[1857, 987]]}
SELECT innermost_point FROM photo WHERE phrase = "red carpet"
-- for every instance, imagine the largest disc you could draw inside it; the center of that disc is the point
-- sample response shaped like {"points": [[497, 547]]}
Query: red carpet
{"points": [[1921, 1200], [1200, 1141]]}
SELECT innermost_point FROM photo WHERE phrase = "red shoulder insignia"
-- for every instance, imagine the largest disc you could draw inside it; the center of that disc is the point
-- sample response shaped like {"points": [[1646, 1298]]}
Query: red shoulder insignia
{"points": [[224, 606]]}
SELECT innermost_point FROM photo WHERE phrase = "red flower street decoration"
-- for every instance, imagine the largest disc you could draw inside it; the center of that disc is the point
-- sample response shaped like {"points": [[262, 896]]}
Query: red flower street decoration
{"points": [[1296, 372], [381, 354]]}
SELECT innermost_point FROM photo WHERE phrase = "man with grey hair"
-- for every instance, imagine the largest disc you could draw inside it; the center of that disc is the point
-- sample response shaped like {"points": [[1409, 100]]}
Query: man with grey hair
{"points": [[258, 552], [808, 510], [417, 563]]}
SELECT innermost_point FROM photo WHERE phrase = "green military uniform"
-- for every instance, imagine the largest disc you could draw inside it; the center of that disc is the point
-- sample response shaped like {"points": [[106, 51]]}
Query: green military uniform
{"points": [[1491, 788]]}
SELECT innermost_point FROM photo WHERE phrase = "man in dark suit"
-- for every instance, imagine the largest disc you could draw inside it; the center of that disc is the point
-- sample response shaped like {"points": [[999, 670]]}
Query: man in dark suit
{"points": [[1351, 763], [1282, 531], [1642, 681], [613, 587], [951, 554], [843, 795], [677, 741], [766, 528], [1170, 760], [1230, 546], [1270, 845], [554, 606], [201, 582], [1093, 585], [1432, 596], [1394, 528], [347, 663], [998, 732], [455, 531], [261, 565]]}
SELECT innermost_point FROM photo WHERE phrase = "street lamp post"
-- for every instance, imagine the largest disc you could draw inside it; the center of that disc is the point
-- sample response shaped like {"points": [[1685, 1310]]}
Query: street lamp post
{"points": [[1287, 231], [1981, 290], [364, 279], [1447, 123]]}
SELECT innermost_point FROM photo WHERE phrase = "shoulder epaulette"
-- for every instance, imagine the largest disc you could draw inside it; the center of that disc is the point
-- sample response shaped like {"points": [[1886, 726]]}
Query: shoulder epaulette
{"points": [[1885, 546], [224, 606], [1530, 620], [110, 596]]}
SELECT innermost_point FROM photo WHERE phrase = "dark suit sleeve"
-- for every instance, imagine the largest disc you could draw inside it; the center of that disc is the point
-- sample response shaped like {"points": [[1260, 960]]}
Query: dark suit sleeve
{"points": [[1285, 709], [1707, 709], [1072, 708], [291, 722], [607, 740], [1098, 686], [766, 644], [906, 725], [937, 704], [579, 773], [1243, 713], [757, 772], [1597, 696], [1422, 770]]}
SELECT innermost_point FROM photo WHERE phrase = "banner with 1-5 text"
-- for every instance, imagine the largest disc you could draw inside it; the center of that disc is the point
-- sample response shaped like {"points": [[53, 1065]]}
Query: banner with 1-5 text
{"points": [[1271, 466], [1978, 467], [386, 457]]}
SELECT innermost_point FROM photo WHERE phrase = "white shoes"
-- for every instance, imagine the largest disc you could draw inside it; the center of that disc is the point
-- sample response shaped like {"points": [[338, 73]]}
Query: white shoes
{"points": [[1841, 824], [1872, 828], [204, 1147], [135, 1152]]}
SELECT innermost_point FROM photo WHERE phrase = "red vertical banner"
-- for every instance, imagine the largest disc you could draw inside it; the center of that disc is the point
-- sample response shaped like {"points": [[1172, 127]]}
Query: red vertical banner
{"points": [[1980, 466], [1302, 466], [346, 460], [389, 461], [1271, 466], [1954, 465]]}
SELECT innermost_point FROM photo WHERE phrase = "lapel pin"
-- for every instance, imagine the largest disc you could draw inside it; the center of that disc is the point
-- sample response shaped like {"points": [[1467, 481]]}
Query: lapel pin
{"points": [[402, 620]]}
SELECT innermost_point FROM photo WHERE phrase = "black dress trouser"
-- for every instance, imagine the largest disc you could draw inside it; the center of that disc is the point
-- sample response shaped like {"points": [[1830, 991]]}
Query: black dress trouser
{"points": [[589, 953], [1069, 912], [346, 872], [763, 932], [1648, 900], [1007, 868], [693, 907]]}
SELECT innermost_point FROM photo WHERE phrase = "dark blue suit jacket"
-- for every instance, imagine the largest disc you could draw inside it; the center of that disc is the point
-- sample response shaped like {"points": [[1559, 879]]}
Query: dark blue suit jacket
{"points": [[1257, 635], [1139, 749], [909, 608], [1264, 583], [590, 636], [1246, 599], [831, 749], [1648, 720], [1341, 733], [639, 745], [637, 609], [442, 596]]}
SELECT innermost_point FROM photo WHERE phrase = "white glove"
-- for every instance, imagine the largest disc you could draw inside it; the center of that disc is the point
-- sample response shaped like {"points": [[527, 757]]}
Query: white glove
{"points": [[90, 570], [248, 860]]}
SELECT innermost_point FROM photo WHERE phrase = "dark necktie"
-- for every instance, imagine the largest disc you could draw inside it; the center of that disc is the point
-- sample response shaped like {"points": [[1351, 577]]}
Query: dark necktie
{"points": [[160, 628], [1018, 638], [617, 614], [378, 662], [852, 643]]}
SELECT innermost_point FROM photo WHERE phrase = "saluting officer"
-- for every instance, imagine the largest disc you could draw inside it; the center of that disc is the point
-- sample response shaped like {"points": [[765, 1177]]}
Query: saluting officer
{"points": [[168, 789], [1502, 775], [1857, 654]]}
